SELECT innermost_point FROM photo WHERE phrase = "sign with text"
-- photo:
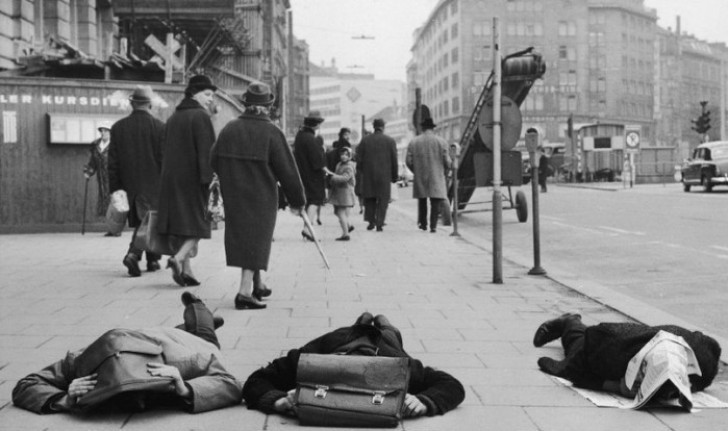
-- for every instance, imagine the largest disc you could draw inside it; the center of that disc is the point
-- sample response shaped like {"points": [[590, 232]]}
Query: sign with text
{"points": [[75, 129]]}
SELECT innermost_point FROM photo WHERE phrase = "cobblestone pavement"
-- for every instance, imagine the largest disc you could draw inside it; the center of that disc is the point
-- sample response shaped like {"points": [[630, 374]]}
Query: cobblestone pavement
{"points": [[60, 291]]}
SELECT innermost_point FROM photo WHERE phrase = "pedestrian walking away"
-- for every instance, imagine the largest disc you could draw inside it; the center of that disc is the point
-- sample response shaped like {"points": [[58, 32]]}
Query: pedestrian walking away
{"points": [[377, 160], [342, 191], [597, 357], [254, 164], [135, 164], [179, 367], [311, 160], [429, 160], [98, 164], [431, 392], [186, 177], [544, 170]]}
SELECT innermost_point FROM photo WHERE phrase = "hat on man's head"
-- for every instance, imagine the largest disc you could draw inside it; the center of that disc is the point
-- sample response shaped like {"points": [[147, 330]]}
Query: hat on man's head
{"points": [[378, 123], [142, 93], [427, 124], [258, 94], [199, 83], [313, 119]]}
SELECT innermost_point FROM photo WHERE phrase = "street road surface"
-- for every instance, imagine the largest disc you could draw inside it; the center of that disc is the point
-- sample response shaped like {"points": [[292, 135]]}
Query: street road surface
{"points": [[654, 243]]}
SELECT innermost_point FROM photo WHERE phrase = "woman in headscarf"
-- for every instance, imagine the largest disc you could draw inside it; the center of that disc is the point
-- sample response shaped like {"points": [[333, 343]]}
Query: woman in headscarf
{"points": [[186, 176]]}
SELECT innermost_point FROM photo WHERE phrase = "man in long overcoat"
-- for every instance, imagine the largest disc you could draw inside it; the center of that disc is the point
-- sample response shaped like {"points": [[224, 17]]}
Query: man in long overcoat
{"points": [[251, 157], [429, 161], [135, 165], [311, 161], [192, 366], [377, 160]]}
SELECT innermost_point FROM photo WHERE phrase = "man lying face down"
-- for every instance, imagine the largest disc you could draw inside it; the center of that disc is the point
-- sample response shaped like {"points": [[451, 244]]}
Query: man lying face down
{"points": [[430, 392], [598, 357], [138, 369]]}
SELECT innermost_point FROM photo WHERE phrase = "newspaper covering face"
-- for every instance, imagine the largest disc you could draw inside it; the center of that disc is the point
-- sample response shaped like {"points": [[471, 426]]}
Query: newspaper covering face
{"points": [[665, 358]]}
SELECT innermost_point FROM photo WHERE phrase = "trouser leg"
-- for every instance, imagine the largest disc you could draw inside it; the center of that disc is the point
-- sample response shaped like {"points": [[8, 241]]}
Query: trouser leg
{"points": [[435, 206], [390, 334], [370, 205], [381, 211], [572, 339], [422, 213], [198, 321], [135, 250]]}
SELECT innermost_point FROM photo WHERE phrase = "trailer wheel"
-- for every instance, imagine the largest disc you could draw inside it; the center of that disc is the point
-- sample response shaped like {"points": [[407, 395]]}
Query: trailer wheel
{"points": [[521, 207]]}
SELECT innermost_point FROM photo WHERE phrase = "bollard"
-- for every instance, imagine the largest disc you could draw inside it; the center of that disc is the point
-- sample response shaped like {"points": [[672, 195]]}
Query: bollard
{"points": [[532, 143]]}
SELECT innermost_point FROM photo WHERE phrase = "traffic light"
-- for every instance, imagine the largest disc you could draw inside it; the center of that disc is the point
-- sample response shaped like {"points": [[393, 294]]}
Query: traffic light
{"points": [[702, 123]]}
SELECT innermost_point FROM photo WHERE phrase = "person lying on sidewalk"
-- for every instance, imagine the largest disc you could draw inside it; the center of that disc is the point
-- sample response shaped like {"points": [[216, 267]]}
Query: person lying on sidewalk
{"points": [[597, 357], [431, 392], [138, 369]]}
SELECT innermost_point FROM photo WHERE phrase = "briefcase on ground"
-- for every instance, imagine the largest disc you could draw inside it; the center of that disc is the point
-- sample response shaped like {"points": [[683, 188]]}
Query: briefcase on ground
{"points": [[351, 391], [120, 359]]}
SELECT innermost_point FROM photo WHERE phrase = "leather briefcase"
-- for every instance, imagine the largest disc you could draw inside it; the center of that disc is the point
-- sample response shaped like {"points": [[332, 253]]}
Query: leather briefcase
{"points": [[351, 391], [120, 359]]}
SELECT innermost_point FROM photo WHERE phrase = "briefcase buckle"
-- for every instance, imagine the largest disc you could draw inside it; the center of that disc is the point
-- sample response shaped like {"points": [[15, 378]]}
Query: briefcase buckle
{"points": [[320, 391], [378, 398]]}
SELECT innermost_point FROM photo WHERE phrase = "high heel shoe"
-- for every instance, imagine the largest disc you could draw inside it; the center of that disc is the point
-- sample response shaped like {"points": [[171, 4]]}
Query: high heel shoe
{"points": [[306, 235], [242, 302], [260, 292], [189, 280], [176, 271]]}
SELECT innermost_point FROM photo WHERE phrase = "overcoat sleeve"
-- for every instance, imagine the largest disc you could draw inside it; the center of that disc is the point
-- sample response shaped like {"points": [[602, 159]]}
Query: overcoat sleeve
{"points": [[446, 159], [395, 164], [286, 171], [113, 162], [204, 137], [92, 166], [38, 391], [266, 385], [215, 389], [436, 389], [409, 158], [345, 176]]}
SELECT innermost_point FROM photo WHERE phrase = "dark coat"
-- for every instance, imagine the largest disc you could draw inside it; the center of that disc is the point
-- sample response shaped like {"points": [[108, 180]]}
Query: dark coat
{"points": [[377, 162], [186, 172], [438, 390], [608, 348], [197, 360], [429, 160], [98, 164], [135, 161], [250, 157], [311, 160], [332, 156]]}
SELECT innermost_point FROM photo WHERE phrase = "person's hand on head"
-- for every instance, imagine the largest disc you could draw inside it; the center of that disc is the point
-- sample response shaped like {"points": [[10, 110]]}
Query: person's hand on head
{"points": [[81, 386], [413, 407], [286, 405], [162, 370]]}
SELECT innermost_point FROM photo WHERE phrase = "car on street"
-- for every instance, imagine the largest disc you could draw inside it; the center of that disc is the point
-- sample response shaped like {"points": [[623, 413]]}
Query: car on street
{"points": [[708, 166]]}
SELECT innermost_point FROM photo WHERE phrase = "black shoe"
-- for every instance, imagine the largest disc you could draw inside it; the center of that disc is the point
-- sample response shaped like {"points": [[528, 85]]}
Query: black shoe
{"points": [[176, 271], [260, 292], [351, 228], [189, 280], [112, 234], [370, 226], [343, 238], [552, 329], [366, 318], [217, 321], [380, 229], [189, 298], [153, 265], [318, 222], [423, 227], [242, 302], [131, 262], [550, 366], [306, 235]]}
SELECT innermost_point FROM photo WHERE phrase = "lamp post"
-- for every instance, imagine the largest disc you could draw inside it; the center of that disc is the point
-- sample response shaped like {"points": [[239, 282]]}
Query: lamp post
{"points": [[532, 144]]}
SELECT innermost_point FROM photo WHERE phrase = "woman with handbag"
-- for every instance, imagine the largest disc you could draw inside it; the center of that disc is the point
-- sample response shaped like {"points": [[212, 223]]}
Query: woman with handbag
{"points": [[186, 177]]}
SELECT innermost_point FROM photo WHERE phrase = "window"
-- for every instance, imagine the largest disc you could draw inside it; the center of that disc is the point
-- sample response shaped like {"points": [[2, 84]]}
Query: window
{"points": [[563, 52], [455, 79], [455, 105], [454, 7], [454, 55], [454, 31]]}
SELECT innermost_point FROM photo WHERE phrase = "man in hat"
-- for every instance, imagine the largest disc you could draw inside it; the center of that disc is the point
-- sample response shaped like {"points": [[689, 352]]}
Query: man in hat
{"points": [[135, 165], [377, 160], [311, 160], [251, 157], [429, 160], [98, 164], [597, 357]]}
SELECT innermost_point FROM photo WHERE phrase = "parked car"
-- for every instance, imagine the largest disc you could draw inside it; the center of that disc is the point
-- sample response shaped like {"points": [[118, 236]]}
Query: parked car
{"points": [[708, 166]]}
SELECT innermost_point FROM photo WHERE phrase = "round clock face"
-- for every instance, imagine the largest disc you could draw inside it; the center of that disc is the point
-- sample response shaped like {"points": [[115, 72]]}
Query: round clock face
{"points": [[633, 139]]}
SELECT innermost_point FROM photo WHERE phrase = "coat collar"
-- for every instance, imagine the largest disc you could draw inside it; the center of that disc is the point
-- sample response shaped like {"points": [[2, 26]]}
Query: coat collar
{"points": [[189, 103]]}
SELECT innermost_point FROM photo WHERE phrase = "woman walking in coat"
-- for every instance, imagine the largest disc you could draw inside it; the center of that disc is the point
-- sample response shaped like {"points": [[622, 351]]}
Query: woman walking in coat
{"points": [[98, 164], [342, 191], [186, 176], [311, 161], [251, 157]]}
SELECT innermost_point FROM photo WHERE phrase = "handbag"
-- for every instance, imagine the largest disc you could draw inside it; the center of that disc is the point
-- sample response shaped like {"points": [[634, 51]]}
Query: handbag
{"points": [[351, 391], [116, 212], [149, 239], [120, 358]]}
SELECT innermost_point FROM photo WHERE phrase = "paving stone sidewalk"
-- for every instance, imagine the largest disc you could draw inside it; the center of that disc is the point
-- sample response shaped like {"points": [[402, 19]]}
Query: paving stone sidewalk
{"points": [[61, 291]]}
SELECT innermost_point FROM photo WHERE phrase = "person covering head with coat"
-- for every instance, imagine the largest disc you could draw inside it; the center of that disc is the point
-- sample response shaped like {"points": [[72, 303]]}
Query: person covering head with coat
{"points": [[186, 176], [251, 157], [135, 165], [311, 160], [431, 392], [377, 161], [429, 160]]}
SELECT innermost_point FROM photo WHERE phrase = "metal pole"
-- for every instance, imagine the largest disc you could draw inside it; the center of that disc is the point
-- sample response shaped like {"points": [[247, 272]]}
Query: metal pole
{"points": [[722, 100], [497, 196], [85, 199], [536, 270], [455, 160]]}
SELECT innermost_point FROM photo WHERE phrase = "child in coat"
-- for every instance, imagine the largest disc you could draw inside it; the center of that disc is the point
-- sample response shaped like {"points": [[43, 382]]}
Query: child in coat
{"points": [[342, 191]]}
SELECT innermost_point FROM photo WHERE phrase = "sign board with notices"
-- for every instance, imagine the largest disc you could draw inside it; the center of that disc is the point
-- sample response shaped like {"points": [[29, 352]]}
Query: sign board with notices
{"points": [[76, 129]]}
